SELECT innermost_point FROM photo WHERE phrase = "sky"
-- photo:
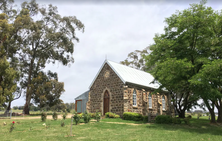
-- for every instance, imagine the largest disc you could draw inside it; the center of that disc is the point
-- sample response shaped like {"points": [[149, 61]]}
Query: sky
{"points": [[113, 29]]}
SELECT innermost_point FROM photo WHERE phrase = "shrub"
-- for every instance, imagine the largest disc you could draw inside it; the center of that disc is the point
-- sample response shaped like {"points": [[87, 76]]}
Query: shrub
{"points": [[176, 120], [163, 119], [68, 110], [55, 116], [199, 115], [98, 116], [145, 118], [111, 115], [93, 115], [43, 116], [80, 115], [64, 115], [86, 117], [186, 121], [189, 116], [62, 123], [107, 114], [76, 117], [116, 116], [132, 116]]}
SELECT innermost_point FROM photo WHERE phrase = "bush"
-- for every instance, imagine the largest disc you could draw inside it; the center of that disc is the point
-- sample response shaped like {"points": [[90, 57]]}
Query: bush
{"points": [[98, 116], [55, 116], [64, 115], [43, 116], [86, 117], [189, 116], [186, 121], [93, 115], [163, 119], [68, 110], [76, 117], [132, 116], [176, 120], [107, 114], [62, 123], [145, 118], [111, 115]]}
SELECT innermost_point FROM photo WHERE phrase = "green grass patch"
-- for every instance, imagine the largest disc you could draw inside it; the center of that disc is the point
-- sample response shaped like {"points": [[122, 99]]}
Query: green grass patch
{"points": [[34, 130]]}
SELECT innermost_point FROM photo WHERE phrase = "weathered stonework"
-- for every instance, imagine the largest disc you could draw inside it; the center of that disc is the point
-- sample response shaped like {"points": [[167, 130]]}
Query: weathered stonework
{"points": [[121, 96]]}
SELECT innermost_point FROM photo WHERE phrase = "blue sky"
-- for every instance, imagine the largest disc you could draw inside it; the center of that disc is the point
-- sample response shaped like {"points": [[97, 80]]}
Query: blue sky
{"points": [[112, 29]]}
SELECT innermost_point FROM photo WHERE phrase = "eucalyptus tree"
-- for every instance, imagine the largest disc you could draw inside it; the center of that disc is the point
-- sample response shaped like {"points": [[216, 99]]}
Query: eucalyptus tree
{"points": [[46, 37], [135, 59], [46, 90], [180, 53]]}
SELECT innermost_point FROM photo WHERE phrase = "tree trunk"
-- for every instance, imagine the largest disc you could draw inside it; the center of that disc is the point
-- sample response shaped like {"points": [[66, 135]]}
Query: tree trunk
{"points": [[8, 108], [28, 94], [182, 114], [219, 118]]}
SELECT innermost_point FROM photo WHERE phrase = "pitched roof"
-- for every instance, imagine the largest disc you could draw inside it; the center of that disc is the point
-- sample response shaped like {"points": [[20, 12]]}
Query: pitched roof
{"points": [[130, 75]]}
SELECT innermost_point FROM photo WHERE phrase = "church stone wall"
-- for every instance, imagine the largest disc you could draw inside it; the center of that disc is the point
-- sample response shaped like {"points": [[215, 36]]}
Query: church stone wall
{"points": [[106, 80]]}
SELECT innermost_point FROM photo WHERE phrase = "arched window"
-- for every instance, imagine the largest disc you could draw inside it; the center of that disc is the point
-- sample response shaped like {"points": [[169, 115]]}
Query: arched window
{"points": [[150, 100], [163, 103], [134, 98]]}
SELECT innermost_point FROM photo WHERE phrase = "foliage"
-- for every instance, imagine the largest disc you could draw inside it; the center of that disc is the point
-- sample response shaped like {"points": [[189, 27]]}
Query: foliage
{"points": [[176, 120], [12, 127], [7, 81], [43, 116], [111, 115], [62, 123], [35, 36], [97, 116], [199, 115], [186, 121], [145, 118], [163, 119], [86, 116], [76, 117], [132, 116], [47, 90], [55, 116], [64, 115], [189, 116], [135, 59], [190, 41]]}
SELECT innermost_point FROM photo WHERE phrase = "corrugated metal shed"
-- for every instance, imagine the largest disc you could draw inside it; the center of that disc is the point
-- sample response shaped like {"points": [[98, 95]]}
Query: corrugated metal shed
{"points": [[81, 102], [130, 75]]}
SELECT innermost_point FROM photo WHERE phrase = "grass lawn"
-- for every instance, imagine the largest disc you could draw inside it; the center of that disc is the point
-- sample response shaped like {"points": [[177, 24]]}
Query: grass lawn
{"points": [[108, 129]]}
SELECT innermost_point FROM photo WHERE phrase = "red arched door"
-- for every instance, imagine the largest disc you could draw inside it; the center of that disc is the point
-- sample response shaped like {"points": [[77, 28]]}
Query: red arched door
{"points": [[106, 103]]}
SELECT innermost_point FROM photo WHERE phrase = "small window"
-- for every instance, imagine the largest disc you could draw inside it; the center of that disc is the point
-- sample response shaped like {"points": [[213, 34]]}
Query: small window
{"points": [[163, 103], [150, 100], [134, 98]]}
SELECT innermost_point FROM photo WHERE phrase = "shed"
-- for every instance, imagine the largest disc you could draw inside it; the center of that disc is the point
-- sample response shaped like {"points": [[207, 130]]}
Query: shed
{"points": [[80, 104]]}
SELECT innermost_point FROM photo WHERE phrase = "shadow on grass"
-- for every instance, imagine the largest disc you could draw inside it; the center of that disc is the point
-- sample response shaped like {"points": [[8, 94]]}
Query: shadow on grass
{"points": [[121, 120], [200, 126]]}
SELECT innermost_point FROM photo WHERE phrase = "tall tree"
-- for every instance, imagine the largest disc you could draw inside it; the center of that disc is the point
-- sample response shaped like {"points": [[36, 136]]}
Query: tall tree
{"points": [[136, 60], [181, 51], [46, 38], [46, 90], [209, 82]]}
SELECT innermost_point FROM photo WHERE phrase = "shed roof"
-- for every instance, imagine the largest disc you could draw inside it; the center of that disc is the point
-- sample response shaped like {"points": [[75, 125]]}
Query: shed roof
{"points": [[84, 95], [130, 75]]}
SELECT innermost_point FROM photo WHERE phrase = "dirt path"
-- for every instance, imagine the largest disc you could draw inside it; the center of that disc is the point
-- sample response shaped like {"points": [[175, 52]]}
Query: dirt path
{"points": [[38, 117]]}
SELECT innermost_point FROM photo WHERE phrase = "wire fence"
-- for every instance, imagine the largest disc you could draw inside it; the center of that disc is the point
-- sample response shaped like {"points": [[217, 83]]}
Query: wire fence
{"points": [[10, 114]]}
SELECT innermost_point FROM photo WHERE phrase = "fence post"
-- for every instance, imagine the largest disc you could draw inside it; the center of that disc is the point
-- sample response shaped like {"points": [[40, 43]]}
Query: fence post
{"points": [[10, 114]]}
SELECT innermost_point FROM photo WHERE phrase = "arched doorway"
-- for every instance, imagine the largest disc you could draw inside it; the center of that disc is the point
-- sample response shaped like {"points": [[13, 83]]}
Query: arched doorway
{"points": [[106, 102]]}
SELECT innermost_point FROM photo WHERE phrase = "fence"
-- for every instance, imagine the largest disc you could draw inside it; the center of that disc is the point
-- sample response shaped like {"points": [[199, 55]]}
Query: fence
{"points": [[10, 114]]}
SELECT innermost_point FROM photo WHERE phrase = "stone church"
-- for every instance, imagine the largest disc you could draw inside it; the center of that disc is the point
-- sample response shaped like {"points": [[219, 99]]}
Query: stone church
{"points": [[118, 88]]}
